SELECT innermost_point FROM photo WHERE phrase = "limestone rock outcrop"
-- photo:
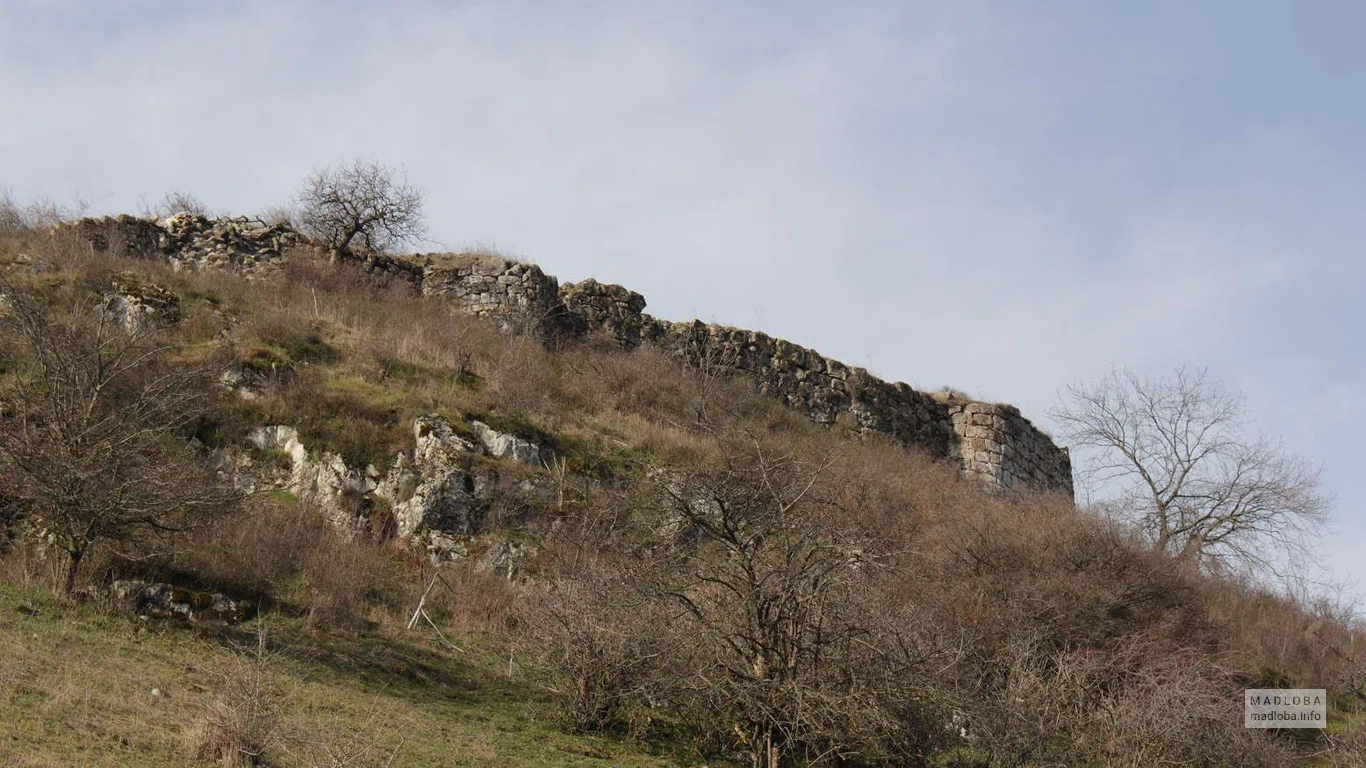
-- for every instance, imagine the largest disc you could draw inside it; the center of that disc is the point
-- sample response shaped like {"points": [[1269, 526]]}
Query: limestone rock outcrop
{"points": [[435, 490], [505, 446], [436, 495], [324, 478], [138, 306]]}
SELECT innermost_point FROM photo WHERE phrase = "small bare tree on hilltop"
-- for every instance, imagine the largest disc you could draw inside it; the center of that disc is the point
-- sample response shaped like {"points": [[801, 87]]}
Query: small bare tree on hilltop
{"points": [[364, 202], [1174, 457], [176, 201]]}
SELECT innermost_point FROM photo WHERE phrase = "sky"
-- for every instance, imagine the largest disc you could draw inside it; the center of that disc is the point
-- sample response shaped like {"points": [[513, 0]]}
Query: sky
{"points": [[1000, 197]]}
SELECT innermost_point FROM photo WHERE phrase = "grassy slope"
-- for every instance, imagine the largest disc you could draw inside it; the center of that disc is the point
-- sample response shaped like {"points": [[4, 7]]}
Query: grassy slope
{"points": [[75, 690]]}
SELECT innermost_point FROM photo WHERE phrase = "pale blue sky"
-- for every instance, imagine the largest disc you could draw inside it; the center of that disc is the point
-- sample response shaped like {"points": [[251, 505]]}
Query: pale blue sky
{"points": [[1002, 197]]}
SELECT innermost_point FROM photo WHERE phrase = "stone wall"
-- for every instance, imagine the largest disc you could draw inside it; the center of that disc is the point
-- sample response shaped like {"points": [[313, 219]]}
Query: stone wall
{"points": [[991, 441], [517, 295], [995, 443], [611, 308], [828, 391], [191, 240]]}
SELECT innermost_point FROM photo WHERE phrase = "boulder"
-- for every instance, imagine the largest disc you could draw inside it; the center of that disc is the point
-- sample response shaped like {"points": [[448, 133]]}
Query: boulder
{"points": [[505, 446], [140, 307], [166, 601]]}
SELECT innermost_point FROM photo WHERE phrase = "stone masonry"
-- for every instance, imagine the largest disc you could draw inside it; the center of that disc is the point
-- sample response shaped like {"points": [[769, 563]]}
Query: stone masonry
{"points": [[992, 442], [995, 443]]}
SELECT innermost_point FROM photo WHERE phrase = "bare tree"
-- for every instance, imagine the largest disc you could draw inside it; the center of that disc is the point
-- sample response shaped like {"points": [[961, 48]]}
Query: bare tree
{"points": [[1174, 457], [363, 202], [89, 451], [176, 201]]}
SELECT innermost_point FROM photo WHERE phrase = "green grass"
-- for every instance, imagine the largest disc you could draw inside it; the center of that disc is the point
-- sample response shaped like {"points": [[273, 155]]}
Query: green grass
{"points": [[75, 690]]}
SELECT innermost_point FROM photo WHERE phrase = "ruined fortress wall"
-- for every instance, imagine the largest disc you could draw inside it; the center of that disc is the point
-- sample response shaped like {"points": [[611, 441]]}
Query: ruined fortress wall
{"points": [[992, 442], [610, 308], [517, 295], [995, 443], [826, 390]]}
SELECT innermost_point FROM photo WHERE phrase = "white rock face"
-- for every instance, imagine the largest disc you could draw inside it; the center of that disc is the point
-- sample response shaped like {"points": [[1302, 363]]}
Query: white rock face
{"points": [[325, 480], [138, 306], [279, 438], [504, 446], [434, 497], [435, 441], [433, 491]]}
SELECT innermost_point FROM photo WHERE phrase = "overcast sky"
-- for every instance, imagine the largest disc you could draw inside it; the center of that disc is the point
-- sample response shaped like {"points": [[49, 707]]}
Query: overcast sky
{"points": [[1002, 197]]}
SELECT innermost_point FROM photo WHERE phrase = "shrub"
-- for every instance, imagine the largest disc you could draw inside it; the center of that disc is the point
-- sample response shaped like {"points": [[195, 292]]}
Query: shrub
{"points": [[241, 725]]}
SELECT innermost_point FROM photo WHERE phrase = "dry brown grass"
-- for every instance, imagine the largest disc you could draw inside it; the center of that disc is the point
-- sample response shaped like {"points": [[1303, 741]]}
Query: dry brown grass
{"points": [[286, 555]]}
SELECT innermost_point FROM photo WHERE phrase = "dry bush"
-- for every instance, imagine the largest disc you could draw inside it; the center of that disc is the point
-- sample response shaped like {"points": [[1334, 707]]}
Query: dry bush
{"points": [[28, 562], [13, 221], [287, 553], [1347, 748], [523, 377], [256, 554], [242, 725], [90, 445], [601, 645], [468, 599], [744, 600], [18, 220], [1143, 702], [173, 202], [346, 578], [985, 629], [279, 214]]}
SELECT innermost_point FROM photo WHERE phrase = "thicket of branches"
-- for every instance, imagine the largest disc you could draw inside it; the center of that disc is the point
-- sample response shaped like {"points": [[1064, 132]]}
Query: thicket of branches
{"points": [[92, 445], [797, 605]]}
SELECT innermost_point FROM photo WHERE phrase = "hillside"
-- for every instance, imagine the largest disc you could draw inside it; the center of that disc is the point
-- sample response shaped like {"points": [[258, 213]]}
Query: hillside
{"points": [[468, 515]]}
